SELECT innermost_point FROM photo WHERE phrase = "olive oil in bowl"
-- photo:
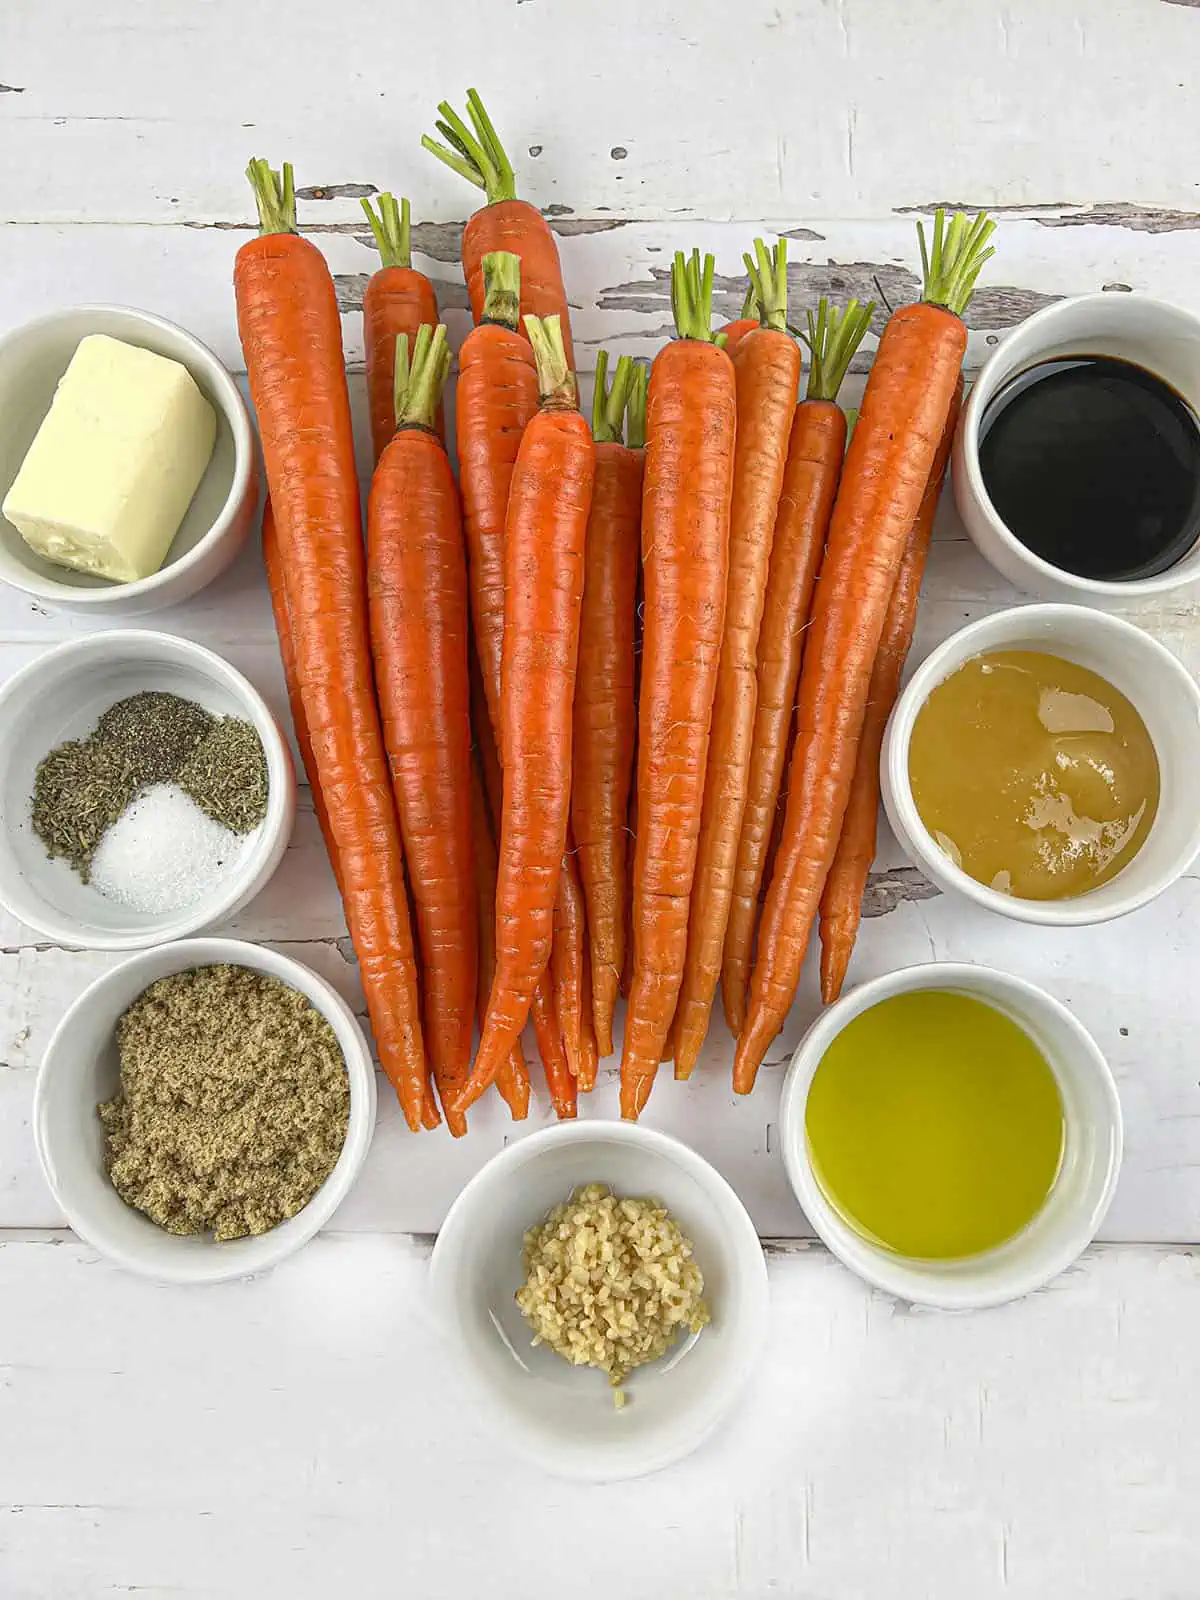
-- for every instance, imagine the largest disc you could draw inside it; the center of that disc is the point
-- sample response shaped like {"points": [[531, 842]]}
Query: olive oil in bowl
{"points": [[934, 1125]]}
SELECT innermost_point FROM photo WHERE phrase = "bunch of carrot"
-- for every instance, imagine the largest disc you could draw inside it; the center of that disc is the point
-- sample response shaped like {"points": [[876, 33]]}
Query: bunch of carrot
{"points": [[549, 708]]}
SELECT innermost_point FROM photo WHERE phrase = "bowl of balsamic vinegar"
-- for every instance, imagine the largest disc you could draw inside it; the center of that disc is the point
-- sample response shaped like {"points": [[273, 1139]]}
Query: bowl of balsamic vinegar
{"points": [[1077, 461]]}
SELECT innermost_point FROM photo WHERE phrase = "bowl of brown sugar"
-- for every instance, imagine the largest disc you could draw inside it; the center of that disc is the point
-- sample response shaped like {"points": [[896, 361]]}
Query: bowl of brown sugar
{"points": [[203, 1108]]}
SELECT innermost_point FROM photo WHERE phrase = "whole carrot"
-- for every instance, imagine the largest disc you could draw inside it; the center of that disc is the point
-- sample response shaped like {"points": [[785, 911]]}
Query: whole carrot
{"points": [[398, 299], [496, 396], [766, 367], [891, 453], [512, 1080], [841, 901], [277, 588], [292, 340], [816, 445], [691, 419], [504, 222], [605, 709], [544, 536], [417, 589]]}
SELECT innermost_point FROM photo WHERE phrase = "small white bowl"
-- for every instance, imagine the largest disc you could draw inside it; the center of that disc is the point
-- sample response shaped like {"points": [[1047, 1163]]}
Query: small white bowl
{"points": [[80, 1069], [1159, 687], [32, 360], [1079, 1198], [563, 1417], [1152, 334], [62, 696]]}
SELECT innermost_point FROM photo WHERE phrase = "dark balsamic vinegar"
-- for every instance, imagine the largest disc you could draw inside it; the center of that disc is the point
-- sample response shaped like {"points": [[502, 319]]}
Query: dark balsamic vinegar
{"points": [[1093, 463]]}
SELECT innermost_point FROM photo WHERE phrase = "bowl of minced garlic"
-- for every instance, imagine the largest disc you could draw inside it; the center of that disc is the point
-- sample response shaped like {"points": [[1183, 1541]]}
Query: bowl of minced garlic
{"points": [[203, 1108], [604, 1292]]}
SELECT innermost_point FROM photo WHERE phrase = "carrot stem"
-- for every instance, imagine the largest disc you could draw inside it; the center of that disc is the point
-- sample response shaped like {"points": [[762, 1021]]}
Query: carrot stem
{"points": [[691, 296], [556, 381], [418, 389], [609, 402], [475, 153], [767, 298], [392, 228], [275, 196], [951, 263], [635, 407], [833, 337], [502, 290]]}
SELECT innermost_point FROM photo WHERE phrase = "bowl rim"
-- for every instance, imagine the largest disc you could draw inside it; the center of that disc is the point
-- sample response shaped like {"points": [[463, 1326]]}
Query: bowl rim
{"points": [[235, 411], [901, 808], [261, 860], [966, 463], [902, 1276], [682, 1440], [360, 1071]]}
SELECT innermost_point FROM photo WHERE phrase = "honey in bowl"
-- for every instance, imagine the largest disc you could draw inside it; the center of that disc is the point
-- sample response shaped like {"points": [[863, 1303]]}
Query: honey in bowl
{"points": [[935, 1125], [1034, 774]]}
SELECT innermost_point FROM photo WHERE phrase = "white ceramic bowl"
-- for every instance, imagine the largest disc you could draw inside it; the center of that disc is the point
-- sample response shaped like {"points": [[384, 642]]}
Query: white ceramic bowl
{"points": [[61, 696], [563, 1417], [32, 360], [80, 1069], [1162, 338], [1076, 1205], [1146, 672]]}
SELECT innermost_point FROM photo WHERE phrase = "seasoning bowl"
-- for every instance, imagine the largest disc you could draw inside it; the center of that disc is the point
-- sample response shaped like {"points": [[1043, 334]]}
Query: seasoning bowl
{"points": [[1078, 1198], [60, 696], [1161, 690], [32, 360], [80, 1069], [561, 1417], [1152, 334]]}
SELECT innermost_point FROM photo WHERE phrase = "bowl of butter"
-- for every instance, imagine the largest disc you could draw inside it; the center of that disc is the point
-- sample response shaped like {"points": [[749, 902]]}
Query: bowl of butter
{"points": [[128, 476]]}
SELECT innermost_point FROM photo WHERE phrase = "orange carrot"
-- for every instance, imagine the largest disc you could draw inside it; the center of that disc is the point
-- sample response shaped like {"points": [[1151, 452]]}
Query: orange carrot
{"points": [[605, 709], [513, 1078], [734, 332], [504, 223], [496, 397], [691, 418], [900, 423], [589, 1054], [841, 901], [566, 957], [816, 446], [277, 587], [398, 299], [544, 536], [417, 590], [292, 340], [767, 373]]}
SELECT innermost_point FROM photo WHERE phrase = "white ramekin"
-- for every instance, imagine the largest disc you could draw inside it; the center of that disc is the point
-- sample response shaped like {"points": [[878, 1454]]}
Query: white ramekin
{"points": [[80, 1069], [1079, 1198], [563, 1417], [1162, 338], [1164, 695], [32, 360], [61, 695]]}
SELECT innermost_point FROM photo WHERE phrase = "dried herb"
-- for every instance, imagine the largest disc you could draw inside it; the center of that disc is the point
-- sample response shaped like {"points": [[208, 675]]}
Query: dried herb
{"points": [[226, 775], [233, 1105], [156, 731], [79, 791]]}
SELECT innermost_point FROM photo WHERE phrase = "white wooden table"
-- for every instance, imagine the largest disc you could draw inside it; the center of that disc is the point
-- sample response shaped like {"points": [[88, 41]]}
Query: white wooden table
{"points": [[305, 1431]]}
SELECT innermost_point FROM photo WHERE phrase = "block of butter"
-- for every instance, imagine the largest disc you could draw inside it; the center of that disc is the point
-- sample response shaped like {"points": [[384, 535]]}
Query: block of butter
{"points": [[109, 476]]}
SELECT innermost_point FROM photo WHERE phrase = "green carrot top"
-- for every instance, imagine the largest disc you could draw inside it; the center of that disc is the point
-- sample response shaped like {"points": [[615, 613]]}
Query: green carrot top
{"points": [[691, 297], [557, 389], [609, 402], [474, 152], [274, 195], [635, 407], [419, 381], [833, 337], [768, 291], [502, 289], [951, 264], [392, 229]]}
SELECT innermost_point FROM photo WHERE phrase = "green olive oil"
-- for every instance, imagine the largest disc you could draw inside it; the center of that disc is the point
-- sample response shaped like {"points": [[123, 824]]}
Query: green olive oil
{"points": [[935, 1125]]}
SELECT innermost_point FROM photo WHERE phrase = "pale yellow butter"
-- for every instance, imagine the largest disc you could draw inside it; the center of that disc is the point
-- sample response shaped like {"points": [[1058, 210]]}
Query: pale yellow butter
{"points": [[113, 468]]}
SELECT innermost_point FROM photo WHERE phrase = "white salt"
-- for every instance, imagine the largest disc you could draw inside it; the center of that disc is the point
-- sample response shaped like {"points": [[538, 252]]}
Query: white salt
{"points": [[163, 853]]}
